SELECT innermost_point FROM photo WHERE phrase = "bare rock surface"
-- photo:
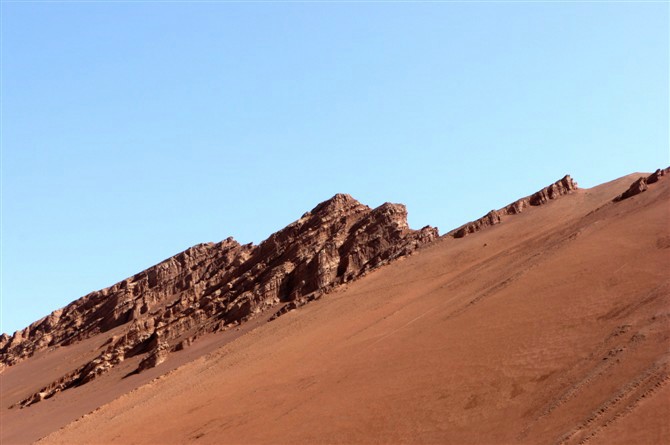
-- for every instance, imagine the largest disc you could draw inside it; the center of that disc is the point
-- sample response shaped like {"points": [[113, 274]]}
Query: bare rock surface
{"points": [[559, 188], [641, 184], [215, 286]]}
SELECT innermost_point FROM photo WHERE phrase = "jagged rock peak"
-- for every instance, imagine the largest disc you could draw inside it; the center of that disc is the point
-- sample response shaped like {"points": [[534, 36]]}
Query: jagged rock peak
{"points": [[214, 286], [341, 202], [563, 186], [568, 183]]}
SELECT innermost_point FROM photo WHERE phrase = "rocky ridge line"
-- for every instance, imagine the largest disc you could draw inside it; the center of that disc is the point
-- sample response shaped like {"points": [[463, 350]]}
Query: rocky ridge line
{"points": [[215, 286], [640, 184], [561, 187]]}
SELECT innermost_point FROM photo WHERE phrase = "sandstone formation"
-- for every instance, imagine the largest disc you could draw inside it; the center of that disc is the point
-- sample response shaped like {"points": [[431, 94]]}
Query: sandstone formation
{"points": [[550, 328], [214, 286], [641, 183], [561, 187]]}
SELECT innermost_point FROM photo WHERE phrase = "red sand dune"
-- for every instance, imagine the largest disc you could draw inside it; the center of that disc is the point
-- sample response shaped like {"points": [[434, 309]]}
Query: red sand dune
{"points": [[551, 326]]}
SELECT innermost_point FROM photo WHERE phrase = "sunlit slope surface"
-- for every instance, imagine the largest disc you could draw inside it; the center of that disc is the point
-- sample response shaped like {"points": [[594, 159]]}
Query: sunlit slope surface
{"points": [[552, 327]]}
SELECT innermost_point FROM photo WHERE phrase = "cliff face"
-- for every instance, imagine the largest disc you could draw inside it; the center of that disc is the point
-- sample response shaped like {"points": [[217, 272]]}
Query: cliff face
{"points": [[211, 287], [559, 188]]}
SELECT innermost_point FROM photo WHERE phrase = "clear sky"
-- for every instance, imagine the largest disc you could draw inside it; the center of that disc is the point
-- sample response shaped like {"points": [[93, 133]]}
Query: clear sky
{"points": [[131, 131]]}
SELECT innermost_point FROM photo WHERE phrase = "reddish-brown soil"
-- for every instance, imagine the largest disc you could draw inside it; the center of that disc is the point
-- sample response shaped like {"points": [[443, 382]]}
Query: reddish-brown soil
{"points": [[552, 326]]}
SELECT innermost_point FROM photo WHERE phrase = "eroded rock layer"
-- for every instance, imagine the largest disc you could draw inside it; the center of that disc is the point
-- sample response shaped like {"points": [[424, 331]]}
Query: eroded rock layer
{"points": [[210, 287], [559, 188], [640, 184]]}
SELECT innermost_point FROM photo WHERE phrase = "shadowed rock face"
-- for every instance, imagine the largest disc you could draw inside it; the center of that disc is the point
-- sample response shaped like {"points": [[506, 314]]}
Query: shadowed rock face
{"points": [[559, 188], [210, 287]]}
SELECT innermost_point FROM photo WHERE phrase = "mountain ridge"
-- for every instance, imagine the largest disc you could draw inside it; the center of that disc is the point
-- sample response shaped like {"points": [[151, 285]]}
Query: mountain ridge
{"points": [[212, 287], [214, 297], [550, 327]]}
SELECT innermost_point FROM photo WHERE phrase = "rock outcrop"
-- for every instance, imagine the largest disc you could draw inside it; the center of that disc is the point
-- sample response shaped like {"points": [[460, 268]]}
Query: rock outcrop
{"points": [[212, 287], [640, 184], [559, 188], [158, 353]]}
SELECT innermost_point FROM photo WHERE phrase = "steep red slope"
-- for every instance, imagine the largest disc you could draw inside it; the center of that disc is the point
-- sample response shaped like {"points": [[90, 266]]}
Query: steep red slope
{"points": [[550, 328], [136, 324]]}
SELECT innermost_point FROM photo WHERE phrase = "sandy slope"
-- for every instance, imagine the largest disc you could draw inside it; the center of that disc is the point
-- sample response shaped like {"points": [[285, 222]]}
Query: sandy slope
{"points": [[552, 327]]}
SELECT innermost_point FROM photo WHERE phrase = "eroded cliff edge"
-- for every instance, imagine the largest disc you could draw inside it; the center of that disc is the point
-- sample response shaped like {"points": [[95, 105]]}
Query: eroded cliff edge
{"points": [[213, 286], [559, 188]]}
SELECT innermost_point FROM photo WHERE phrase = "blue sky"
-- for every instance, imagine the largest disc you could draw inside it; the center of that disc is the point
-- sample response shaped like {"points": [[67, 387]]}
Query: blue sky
{"points": [[131, 131]]}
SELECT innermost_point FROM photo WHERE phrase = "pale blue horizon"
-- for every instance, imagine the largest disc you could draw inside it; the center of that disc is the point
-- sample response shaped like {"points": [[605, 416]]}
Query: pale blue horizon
{"points": [[134, 130]]}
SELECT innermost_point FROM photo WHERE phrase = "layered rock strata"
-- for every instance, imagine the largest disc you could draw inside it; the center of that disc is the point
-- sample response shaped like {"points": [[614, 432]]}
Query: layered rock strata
{"points": [[211, 287], [640, 184], [559, 188]]}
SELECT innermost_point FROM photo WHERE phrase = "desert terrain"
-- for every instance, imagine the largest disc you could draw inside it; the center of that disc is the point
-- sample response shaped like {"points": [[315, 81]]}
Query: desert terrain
{"points": [[547, 321]]}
